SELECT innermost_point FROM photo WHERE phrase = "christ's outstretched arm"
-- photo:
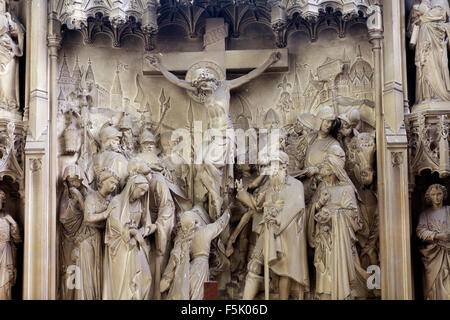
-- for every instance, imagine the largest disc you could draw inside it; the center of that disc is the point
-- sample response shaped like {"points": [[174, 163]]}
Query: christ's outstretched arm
{"points": [[155, 62], [274, 57]]}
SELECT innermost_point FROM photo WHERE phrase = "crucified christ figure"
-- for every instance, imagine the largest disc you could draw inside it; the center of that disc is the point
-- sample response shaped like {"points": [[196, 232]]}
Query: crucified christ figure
{"points": [[214, 94]]}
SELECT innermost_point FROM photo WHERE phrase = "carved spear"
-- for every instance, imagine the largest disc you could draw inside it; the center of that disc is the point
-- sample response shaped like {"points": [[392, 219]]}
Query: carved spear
{"points": [[191, 165]]}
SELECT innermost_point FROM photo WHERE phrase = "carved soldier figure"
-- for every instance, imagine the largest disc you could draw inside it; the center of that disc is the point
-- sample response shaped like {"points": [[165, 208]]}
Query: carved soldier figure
{"points": [[434, 231], [110, 155], [11, 48], [127, 264], [127, 140], [9, 234], [275, 205], [429, 24], [199, 246], [216, 171]]}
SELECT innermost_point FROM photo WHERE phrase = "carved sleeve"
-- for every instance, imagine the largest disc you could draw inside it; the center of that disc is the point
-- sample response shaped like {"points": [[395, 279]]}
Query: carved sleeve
{"points": [[216, 228], [423, 231], [15, 232]]}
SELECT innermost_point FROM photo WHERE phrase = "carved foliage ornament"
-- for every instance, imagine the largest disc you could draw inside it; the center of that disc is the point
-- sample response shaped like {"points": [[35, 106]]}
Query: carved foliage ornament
{"points": [[144, 17]]}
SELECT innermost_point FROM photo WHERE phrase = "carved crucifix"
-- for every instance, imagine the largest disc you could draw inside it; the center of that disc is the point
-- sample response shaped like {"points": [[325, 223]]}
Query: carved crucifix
{"points": [[206, 83]]}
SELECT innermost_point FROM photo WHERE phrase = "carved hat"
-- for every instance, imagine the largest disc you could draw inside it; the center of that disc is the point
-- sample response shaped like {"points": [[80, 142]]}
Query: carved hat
{"points": [[147, 136], [103, 174], [109, 132], [138, 166], [306, 120], [325, 113], [351, 116], [126, 122], [72, 171]]}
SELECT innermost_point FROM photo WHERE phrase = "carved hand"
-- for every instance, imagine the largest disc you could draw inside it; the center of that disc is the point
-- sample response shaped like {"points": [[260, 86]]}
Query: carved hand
{"points": [[229, 251], [164, 284], [310, 171], [239, 185], [154, 61], [275, 56], [443, 236], [76, 194]]}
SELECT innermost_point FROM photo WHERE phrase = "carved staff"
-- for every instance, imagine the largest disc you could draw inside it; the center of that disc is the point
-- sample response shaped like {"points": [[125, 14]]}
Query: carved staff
{"points": [[191, 165]]}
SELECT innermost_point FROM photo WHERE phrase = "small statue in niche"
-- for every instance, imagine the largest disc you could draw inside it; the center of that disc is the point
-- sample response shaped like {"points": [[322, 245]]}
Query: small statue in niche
{"points": [[197, 240], [430, 28], [334, 220], [71, 214], [208, 86], [90, 238], [127, 252], [284, 216], [434, 230], [9, 234], [11, 48]]}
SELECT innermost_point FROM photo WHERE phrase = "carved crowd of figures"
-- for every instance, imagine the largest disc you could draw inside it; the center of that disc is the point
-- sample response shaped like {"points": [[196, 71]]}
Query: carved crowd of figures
{"points": [[129, 230]]}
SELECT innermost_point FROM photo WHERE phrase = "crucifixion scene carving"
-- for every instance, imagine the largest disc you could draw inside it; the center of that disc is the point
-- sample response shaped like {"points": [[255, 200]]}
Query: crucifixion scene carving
{"points": [[231, 150]]}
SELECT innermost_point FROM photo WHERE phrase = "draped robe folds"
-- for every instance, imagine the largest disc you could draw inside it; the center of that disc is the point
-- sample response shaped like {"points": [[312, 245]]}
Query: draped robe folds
{"points": [[126, 265], [338, 270], [436, 253], [9, 233], [433, 79], [90, 252], [177, 269], [71, 218], [200, 249], [288, 248]]}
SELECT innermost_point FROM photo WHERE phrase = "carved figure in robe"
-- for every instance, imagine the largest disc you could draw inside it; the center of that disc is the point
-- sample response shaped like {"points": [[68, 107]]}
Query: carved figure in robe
{"points": [[71, 212], [175, 279], [334, 220], [9, 234], [161, 201], [11, 48], [90, 253], [314, 147], [127, 141], [199, 249], [285, 214], [127, 264], [430, 28], [434, 230], [216, 171]]}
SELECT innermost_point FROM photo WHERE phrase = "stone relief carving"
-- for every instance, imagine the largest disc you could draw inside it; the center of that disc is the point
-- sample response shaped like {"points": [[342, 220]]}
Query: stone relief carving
{"points": [[11, 48], [122, 159], [433, 231], [9, 235]]}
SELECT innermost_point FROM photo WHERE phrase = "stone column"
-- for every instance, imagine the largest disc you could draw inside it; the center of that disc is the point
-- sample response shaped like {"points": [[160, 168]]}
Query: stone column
{"points": [[392, 164], [40, 229]]}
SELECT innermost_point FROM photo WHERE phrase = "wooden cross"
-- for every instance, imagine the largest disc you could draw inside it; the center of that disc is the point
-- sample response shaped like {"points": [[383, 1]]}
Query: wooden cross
{"points": [[232, 61]]}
